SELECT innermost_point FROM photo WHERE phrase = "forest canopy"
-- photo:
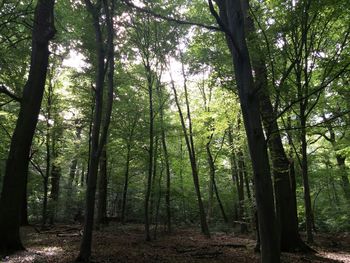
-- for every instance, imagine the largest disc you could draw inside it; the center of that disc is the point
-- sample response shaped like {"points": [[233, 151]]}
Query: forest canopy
{"points": [[223, 115]]}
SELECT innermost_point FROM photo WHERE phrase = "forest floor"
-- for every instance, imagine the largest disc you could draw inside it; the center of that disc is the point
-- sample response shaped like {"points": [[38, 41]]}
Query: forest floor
{"points": [[125, 243]]}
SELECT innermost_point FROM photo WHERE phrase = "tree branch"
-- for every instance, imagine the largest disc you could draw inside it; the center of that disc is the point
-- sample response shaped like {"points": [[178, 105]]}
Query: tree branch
{"points": [[6, 91], [170, 19]]}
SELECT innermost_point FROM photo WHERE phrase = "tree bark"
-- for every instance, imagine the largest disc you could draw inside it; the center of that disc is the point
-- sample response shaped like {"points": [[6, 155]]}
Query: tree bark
{"points": [[232, 22], [126, 183], [13, 188], [99, 137], [150, 151], [285, 196], [55, 190], [102, 190]]}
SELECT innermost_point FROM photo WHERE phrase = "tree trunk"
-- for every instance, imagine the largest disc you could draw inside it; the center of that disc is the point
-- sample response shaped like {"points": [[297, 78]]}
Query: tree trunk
{"points": [[235, 171], [219, 202], [211, 180], [191, 153], [286, 205], [213, 184], [55, 189], [24, 210], [98, 139], [13, 188], [344, 177], [150, 151], [166, 159], [240, 184], [304, 171], [102, 190], [126, 184], [231, 21], [154, 181]]}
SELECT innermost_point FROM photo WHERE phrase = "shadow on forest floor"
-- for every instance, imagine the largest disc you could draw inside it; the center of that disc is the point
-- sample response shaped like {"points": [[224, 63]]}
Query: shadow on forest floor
{"points": [[125, 243]]}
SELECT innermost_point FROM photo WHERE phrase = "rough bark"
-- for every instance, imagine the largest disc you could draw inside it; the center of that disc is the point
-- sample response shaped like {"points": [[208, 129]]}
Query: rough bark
{"points": [[14, 182]]}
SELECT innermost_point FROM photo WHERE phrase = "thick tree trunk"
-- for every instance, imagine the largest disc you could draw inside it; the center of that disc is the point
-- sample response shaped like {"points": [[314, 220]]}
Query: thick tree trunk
{"points": [[231, 19], [13, 188], [24, 210], [286, 205]]}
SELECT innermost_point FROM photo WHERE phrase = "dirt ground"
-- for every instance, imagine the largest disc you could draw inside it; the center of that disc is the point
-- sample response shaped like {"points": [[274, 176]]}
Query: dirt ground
{"points": [[125, 243]]}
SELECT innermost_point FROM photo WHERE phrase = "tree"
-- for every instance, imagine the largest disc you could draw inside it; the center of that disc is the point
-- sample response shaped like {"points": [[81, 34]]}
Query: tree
{"points": [[231, 23], [99, 135], [14, 184]]}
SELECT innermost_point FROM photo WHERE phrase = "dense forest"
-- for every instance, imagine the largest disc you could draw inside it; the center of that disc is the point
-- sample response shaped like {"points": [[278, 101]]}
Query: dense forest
{"points": [[174, 131]]}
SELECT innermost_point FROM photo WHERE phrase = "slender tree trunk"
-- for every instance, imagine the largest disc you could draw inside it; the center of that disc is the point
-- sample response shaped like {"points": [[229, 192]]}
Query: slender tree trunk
{"points": [[183, 198], [154, 181], [191, 152], [344, 177], [214, 186], [73, 176], [45, 197], [236, 174], [219, 202], [230, 19], [55, 190], [102, 190], [304, 171], [126, 184], [211, 180], [156, 218], [98, 139], [150, 151], [240, 179], [166, 159], [345, 184]]}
